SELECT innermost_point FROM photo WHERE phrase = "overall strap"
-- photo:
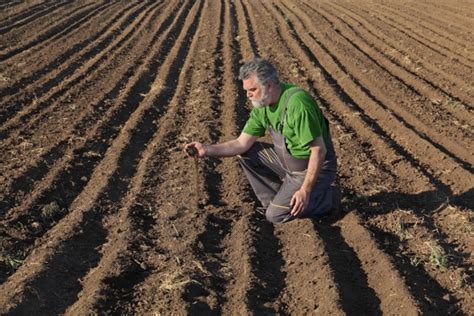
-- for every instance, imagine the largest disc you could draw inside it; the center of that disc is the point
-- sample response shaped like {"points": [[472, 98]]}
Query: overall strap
{"points": [[291, 92]]}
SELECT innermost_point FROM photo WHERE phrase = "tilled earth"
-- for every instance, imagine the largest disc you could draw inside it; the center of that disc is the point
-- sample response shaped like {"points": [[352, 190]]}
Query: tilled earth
{"points": [[100, 210]]}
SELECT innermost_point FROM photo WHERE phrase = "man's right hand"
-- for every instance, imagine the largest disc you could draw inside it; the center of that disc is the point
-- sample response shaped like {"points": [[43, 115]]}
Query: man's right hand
{"points": [[199, 147]]}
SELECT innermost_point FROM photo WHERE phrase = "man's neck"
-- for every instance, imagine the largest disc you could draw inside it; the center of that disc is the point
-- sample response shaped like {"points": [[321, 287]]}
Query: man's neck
{"points": [[276, 94]]}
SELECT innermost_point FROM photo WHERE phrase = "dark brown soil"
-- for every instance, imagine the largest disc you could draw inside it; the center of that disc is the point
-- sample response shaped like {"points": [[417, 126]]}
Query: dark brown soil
{"points": [[101, 211]]}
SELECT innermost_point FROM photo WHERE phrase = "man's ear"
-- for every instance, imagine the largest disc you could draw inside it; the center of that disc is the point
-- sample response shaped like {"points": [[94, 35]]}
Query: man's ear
{"points": [[270, 85]]}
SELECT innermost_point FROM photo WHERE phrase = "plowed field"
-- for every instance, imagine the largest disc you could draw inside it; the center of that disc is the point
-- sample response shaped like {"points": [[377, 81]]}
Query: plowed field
{"points": [[101, 212]]}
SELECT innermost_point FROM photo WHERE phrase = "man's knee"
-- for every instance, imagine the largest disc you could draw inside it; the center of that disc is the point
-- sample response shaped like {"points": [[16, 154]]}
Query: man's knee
{"points": [[277, 215]]}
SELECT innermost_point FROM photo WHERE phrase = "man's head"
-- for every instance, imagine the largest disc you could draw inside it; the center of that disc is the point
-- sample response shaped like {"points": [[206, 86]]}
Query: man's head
{"points": [[260, 80]]}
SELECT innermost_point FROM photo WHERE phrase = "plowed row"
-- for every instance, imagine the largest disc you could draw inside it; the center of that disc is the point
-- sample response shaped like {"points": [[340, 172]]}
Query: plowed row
{"points": [[100, 210]]}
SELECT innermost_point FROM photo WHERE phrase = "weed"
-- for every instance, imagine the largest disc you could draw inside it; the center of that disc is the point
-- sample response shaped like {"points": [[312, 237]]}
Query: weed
{"points": [[415, 261], [50, 210], [175, 281], [402, 231], [437, 256], [4, 78], [453, 103], [464, 281], [10, 262]]}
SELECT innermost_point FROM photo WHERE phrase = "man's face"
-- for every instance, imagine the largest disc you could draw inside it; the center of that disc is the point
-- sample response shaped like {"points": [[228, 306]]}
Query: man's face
{"points": [[258, 94]]}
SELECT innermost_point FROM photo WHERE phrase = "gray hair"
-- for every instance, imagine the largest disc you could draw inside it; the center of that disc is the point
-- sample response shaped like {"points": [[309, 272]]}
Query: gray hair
{"points": [[262, 68]]}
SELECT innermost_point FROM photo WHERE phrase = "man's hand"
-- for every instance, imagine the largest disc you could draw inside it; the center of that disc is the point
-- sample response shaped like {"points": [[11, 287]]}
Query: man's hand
{"points": [[299, 201], [200, 148]]}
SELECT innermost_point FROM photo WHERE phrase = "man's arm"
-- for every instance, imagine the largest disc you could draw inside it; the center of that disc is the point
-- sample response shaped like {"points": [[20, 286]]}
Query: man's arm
{"points": [[317, 156], [230, 148]]}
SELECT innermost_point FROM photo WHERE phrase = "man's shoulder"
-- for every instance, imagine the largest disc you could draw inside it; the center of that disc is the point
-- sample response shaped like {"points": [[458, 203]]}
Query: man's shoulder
{"points": [[294, 91], [298, 98]]}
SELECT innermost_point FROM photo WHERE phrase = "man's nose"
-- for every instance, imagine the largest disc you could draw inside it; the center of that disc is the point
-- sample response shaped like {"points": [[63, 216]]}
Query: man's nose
{"points": [[249, 94]]}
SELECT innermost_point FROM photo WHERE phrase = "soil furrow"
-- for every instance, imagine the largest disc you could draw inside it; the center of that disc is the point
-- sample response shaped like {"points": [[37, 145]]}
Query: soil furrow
{"points": [[118, 165], [62, 184], [410, 57], [87, 140], [409, 32], [70, 174], [244, 22], [30, 10], [52, 69], [197, 281], [448, 32], [209, 248], [60, 83], [312, 284], [15, 59], [380, 274], [249, 30], [43, 143], [41, 111], [31, 17], [10, 4], [437, 37], [456, 179], [431, 79], [58, 29], [453, 8], [388, 97], [167, 136], [215, 246], [443, 19], [433, 298], [410, 46], [244, 293], [119, 272], [412, 233]]}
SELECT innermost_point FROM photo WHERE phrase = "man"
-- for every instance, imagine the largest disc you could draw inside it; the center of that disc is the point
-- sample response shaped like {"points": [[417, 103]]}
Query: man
{"points": [[291, 178]]}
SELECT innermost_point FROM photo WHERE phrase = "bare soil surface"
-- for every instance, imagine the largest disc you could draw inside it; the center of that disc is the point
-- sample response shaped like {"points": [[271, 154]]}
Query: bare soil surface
{"points": [[101, 211]]}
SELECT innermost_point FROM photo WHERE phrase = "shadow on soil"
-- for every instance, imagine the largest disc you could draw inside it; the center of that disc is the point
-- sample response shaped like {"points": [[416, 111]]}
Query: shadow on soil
{"points": [[56, 288], [425, 289], [356, 296], [268, 264]]}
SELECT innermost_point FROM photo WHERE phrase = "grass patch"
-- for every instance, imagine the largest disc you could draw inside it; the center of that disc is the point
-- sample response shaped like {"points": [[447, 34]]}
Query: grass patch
{"points": [[437, 257], [51, 210], [10, 262]]}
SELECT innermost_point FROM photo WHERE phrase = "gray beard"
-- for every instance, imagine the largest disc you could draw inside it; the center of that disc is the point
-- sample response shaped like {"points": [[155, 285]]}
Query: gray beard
{"points": [[262, 102], [257, 104]]}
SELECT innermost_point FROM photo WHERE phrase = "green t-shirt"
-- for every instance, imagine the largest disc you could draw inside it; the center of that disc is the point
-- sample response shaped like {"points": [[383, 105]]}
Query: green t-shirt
{"points": [[304, 121]]}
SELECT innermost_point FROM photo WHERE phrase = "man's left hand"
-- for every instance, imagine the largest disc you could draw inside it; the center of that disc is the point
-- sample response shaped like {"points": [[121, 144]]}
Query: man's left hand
{"points": [[298, 202]]}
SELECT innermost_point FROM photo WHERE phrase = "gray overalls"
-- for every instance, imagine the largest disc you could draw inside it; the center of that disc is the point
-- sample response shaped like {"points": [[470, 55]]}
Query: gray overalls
{"points": [[275, 175]]}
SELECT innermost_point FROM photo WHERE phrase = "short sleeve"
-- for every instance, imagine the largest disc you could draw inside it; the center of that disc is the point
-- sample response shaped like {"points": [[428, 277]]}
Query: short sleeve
{"points": [[255, 125], [306, 124]]}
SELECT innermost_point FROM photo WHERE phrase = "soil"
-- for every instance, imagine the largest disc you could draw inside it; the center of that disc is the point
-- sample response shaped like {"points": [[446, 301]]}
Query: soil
{"points": [[102, 211]]}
